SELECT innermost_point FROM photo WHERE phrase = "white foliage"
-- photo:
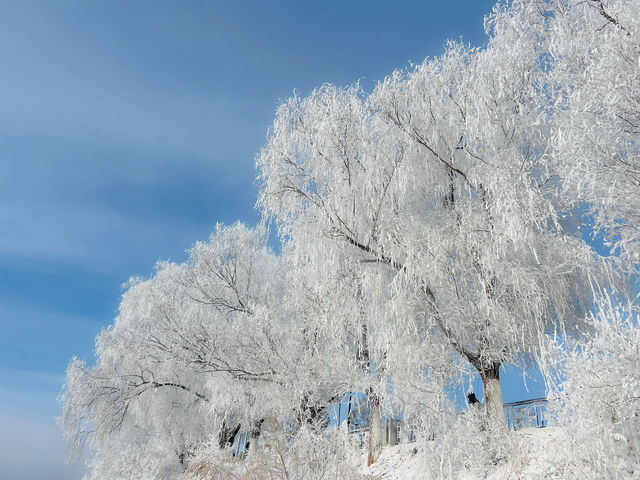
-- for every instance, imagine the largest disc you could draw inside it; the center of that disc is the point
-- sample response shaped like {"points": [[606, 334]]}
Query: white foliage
{"points": [[600, 397], [424, 237], [195, 350], [306, 456], [441, 178], [594, 59]]}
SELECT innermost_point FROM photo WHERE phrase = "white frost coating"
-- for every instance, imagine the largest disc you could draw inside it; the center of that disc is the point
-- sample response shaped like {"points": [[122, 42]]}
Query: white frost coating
{"points": [[441, 181], [599, 404], [593, 93], [430, 229], [199, 350]]}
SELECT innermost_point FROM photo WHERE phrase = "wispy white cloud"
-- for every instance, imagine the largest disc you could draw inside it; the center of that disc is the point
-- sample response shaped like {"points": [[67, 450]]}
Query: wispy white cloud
{"points": [[41, 377], [60, 85], [100, 239], [30, 394], [38, 228]]}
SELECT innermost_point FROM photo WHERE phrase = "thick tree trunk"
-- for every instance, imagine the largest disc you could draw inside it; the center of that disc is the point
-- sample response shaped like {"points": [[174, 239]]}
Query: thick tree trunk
{"points": [[492, 393], [375, 428]]}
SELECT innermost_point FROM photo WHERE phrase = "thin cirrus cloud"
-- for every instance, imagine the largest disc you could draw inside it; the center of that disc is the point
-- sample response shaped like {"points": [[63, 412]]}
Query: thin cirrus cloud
{"points": [[95, 235]]}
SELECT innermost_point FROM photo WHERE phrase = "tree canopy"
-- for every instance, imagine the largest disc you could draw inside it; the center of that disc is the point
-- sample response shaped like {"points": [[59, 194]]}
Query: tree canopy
{"points": [[440, 225]]}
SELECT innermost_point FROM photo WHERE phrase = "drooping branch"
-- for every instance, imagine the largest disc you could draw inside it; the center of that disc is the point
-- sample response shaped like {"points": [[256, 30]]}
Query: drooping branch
{"points": [[180, 387], [608, 17], [424, 287]]}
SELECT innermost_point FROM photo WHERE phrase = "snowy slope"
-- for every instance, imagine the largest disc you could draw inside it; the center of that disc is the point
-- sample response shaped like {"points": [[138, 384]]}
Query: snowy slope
{"points": [[537, 455]]}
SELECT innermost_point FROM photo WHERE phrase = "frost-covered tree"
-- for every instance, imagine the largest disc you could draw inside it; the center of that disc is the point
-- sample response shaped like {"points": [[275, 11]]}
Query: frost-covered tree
{"points": [[439, 176], [424, 235], [337, 303], [197, 350], [600, 396], [136, 398], [591, 52]]}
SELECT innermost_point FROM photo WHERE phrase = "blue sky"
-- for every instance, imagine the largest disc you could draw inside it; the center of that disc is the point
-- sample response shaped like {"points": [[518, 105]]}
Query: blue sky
{"points": [[127, 130]]}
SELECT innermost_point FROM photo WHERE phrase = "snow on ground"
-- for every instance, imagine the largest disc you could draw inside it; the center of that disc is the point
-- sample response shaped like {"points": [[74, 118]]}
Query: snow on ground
{"points": [[533, 454], [534, 459], [396, 463]]}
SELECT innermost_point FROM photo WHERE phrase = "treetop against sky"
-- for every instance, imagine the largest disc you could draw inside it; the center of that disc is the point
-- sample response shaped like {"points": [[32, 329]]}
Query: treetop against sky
{"points": [[130, 130]]}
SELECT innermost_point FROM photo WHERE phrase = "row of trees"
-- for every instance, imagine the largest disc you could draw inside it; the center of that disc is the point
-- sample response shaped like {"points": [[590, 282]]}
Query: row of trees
{"points": [[430, 227]]}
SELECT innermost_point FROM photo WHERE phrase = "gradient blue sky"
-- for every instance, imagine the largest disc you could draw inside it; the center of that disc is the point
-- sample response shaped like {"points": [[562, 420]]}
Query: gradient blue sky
{"points": [[127, 130]]}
